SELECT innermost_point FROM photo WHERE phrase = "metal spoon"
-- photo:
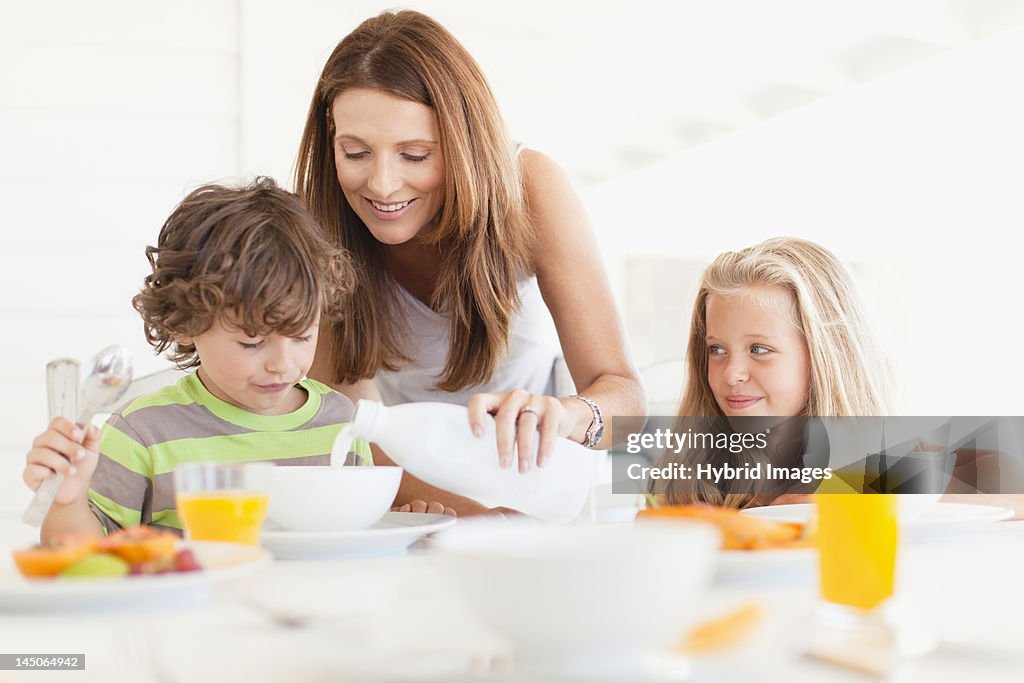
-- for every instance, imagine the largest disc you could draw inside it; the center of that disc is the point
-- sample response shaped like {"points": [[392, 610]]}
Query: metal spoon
{"points": [[107, 378]]}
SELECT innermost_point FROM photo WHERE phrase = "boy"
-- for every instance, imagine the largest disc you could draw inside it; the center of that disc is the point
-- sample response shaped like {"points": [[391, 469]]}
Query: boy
{"points": [[240, 279]]}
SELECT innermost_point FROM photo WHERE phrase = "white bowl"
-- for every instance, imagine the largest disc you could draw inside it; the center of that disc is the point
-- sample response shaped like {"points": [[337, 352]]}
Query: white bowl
{"points": [[581, 600], [324, 498]]}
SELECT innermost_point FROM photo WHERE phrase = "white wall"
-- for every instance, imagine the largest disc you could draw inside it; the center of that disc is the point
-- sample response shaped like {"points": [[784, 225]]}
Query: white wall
{"points": [[916, 179], [108, 113]]}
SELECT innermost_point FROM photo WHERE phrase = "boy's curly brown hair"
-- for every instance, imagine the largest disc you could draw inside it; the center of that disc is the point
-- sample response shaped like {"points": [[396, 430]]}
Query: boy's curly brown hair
{"points": [[251, 256]]}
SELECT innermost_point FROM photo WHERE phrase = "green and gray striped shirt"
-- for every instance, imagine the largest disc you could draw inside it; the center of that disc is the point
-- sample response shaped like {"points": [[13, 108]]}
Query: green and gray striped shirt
{"points": [[141, 444]]}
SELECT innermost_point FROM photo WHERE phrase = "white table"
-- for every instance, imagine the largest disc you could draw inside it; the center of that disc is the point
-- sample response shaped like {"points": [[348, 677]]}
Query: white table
{"points": [[401, 619]]}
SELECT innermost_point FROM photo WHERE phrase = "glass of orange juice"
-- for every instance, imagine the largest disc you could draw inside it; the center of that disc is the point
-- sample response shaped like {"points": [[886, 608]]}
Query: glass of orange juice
{"points": [[857, 539], [222, 501]]}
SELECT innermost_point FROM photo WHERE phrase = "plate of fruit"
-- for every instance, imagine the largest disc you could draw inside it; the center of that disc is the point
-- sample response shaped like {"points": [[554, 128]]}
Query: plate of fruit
{"points": [[130, 566]]}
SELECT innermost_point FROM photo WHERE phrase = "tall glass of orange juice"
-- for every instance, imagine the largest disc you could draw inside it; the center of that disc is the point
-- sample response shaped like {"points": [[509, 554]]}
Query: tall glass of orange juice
{"points": [[857, 545], [857, 538], [222, 501]]}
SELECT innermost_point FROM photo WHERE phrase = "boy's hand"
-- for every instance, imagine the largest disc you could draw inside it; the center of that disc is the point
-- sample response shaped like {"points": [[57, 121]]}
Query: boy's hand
{"points": [[432, 507], [58, 450]]}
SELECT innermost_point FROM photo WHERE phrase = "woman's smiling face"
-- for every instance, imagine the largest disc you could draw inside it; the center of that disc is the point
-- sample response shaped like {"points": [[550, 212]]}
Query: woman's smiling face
{"points": [[758, 364], [389, 162]]}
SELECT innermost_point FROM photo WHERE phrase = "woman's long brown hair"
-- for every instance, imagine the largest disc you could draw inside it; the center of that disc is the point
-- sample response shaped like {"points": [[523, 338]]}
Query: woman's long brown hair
{"points": [[484, 234]]}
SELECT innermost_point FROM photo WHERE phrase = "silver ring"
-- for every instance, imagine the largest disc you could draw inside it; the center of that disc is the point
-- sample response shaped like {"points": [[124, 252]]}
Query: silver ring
{"points": [[528, 409]]}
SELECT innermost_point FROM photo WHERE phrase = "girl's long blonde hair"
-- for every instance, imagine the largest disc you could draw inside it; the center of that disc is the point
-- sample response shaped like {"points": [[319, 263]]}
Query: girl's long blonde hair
{"points": [[484, 234], [848, 372]]}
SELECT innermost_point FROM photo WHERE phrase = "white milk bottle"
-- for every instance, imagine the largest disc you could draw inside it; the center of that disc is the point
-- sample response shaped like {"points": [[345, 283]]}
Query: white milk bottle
{"points": [[433, 442]]}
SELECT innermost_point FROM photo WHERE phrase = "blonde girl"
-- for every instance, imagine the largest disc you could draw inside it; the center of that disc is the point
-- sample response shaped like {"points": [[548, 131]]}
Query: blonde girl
{"points": [[777, 330]]}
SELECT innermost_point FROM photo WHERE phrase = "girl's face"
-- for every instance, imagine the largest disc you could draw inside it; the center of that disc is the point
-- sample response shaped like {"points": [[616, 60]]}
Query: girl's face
{"points": [[389, 162], [758, 363]]}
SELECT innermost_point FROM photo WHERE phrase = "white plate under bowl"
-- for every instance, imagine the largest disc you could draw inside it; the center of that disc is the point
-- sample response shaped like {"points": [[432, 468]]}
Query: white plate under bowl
{"points": [[395, 532], [220, 561]]}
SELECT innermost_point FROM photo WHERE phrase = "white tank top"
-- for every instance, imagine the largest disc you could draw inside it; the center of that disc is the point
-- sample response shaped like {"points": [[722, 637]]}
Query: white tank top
{"points": [[529, 363]]}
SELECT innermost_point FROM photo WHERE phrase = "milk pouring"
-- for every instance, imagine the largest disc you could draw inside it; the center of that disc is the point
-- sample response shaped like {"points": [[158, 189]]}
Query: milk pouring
{"points": [[433, 442]]}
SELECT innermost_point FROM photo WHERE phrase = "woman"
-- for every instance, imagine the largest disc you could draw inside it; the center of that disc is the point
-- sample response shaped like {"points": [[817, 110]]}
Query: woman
{"points": [[465, 244]]}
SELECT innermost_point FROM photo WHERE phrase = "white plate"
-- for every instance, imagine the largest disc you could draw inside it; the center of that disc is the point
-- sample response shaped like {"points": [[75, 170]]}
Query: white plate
{"points": [[939, 514], [395, 532], [963, 513], [938, 521], [220, 561]]}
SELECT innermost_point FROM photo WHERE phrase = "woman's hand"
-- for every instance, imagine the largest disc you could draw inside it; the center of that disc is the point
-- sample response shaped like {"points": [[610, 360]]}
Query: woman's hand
{"points": [[518, 417], [61, 448], [433, 507]]}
